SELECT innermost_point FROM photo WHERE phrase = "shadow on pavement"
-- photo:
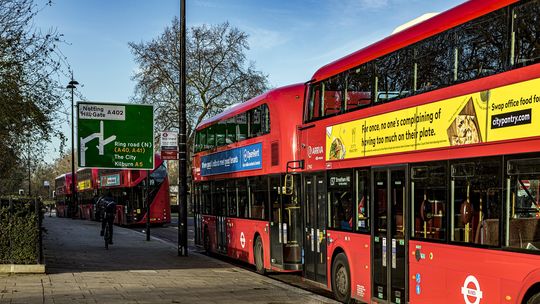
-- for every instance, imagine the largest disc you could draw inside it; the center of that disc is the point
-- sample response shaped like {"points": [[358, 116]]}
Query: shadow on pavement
{"points": [[76, 246]]}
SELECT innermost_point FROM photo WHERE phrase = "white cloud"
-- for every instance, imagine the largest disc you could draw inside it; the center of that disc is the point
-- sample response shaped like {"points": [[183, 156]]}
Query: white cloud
{"points": [[261, 38]]}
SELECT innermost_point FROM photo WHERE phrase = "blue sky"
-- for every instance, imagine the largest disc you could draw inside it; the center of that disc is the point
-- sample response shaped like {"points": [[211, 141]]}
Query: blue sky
{"points": [[289, 39]]}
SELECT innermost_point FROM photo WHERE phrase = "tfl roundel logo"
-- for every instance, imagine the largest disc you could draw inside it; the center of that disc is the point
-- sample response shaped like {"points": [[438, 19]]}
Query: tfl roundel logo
{"points": [[471, 290]]}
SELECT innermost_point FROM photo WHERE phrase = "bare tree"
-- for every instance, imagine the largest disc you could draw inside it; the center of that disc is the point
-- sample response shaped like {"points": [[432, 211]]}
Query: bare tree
{"points": [[218, 73], [30, 93]]}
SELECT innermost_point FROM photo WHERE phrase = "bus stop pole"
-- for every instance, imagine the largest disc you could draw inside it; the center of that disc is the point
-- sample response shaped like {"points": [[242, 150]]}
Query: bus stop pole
{"points": [[182, 148], [147, 199]]}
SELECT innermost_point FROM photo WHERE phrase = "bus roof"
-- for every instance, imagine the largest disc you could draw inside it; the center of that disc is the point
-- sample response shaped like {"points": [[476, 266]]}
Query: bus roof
{"points": [[63, 176], [85, 169], [244, 106], [437, 24]]}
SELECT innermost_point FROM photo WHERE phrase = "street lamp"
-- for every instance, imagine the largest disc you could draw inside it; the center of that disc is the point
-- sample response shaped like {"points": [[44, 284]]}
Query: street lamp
{"points": [[182, 148], [72, 85]]}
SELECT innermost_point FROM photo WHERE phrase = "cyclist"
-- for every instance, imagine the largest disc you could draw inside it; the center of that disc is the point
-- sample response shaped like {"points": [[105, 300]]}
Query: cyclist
{"points": [[108, 206]]}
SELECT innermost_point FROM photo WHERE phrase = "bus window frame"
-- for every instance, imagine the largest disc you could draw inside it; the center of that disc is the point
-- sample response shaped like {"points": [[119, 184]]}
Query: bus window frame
{"points": [[499, 160], [509, 175], [445, 224], [366, 172], [369, 67], [330, 189]]}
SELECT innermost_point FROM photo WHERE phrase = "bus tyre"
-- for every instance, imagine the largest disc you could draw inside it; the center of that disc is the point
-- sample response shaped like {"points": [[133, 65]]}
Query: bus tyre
{"points": [[259, 256], [341, 279], [206, 240], [535, 299]]}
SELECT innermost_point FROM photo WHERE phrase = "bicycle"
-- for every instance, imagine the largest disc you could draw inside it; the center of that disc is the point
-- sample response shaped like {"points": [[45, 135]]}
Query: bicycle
{"points": [[106, 235]]}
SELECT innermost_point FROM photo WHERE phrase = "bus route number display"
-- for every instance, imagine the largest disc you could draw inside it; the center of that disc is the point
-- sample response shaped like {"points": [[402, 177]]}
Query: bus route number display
{"points": [[115, 136]]}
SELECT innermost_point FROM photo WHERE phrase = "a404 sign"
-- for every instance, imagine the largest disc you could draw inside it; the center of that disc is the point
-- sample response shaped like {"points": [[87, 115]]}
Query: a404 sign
{"points": [[115, 135]]}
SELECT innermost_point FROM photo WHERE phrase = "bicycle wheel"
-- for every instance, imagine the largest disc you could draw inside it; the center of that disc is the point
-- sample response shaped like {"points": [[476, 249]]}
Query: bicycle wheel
{"points": [[106, 236]]}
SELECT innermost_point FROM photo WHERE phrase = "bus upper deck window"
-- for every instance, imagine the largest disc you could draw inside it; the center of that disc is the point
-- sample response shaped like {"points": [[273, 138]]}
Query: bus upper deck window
{"points": [[265, 114], [241, 126], [314, 104], [394, 75], [220, 130], [481, 46], [231, 131], [255, 122], [526, 19], [210, 138], [359, 86], [333, 95]]}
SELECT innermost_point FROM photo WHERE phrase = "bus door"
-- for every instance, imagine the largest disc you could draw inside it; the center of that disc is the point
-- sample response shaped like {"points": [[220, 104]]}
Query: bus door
{"points": [[286, 222], [315, 228], [389, 239], [220, 199], [276, 219], [197, 218]]}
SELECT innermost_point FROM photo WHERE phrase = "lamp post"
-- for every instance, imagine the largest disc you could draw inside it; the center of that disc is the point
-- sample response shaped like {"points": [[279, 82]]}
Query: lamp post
{"points": [[72, 85], [182, 148]]}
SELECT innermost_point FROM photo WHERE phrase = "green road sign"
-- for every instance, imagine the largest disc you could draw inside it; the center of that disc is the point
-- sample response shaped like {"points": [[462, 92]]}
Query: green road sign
{"points": [[115, 135]]}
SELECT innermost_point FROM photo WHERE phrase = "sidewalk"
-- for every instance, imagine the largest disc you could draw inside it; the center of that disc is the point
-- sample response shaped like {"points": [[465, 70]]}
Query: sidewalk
{"points": [[80, 270]]}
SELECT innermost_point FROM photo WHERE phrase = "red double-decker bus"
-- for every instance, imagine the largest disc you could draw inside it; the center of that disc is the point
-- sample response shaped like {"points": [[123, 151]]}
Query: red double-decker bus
{"points": [[431, 168], [129, 189], [417, 166], [87, 192], [241, 157], [62, 194]]}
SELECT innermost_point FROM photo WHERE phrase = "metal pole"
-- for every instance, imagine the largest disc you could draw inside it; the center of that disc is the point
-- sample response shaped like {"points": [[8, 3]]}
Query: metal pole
{"points": [[74, 202], [182, 148], [73, 195], [147, 198]]}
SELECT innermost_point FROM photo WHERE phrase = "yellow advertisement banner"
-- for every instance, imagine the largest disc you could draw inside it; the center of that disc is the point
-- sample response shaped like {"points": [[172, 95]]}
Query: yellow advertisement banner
{"points": [[497, 114], [85, 184]]}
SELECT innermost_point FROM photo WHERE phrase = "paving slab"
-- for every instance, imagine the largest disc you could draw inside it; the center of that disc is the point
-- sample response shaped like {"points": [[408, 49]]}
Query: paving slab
{"points": [[133, 270]]}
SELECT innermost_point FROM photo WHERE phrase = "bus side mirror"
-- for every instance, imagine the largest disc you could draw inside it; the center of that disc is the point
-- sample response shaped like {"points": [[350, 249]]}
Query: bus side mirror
{"points": [[288, 186]]}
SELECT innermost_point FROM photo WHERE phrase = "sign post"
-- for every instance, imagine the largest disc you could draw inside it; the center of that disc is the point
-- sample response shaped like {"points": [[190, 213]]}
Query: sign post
{"points": [[169, 145], [115, 136], [147, 201]]}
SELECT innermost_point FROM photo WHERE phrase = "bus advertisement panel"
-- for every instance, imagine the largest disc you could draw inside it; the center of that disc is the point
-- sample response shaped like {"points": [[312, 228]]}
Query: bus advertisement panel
{"points": [[497, 114]]}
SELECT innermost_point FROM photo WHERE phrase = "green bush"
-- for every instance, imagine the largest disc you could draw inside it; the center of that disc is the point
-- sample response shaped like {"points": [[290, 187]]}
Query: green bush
{"points": [[19, 234]]}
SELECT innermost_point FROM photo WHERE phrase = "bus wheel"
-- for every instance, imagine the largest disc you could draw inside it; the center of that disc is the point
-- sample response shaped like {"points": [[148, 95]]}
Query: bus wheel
{"points": [[259, 256], [341, 279], [206, 241], [535, 299]]}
